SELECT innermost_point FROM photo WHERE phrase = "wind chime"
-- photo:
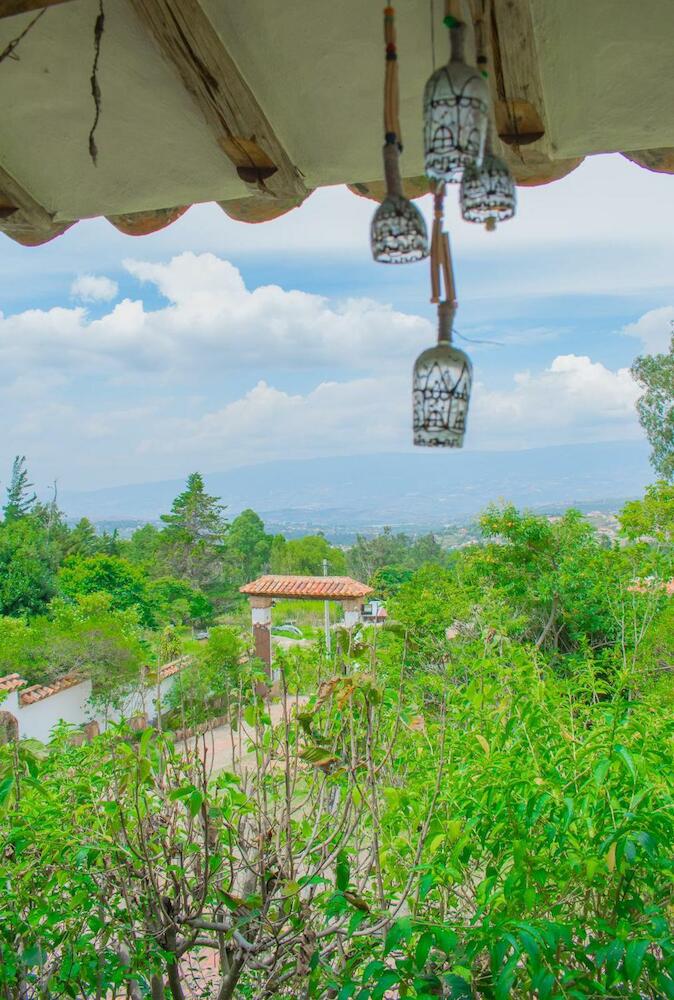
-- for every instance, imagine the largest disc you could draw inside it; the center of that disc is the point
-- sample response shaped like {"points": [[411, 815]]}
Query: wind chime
{"points": [[487, 193], [457, 149], [398, 232], [443, 374]]}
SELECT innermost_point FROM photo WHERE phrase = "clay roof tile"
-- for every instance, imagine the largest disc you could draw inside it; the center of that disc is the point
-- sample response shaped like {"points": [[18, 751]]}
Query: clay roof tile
{"points": [[338, 588], [37, 692], [10, 682]]}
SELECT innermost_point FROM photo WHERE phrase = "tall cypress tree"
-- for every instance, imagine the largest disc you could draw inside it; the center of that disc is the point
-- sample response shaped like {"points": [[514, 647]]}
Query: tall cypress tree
{"points": [[194, 534], [20, 499]]}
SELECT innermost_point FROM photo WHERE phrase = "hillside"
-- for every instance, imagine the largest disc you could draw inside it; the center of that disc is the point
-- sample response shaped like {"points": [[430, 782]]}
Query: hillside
{"points": [[409, 490]]}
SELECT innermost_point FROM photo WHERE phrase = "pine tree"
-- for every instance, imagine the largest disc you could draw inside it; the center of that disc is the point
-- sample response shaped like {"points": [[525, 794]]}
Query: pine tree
{"points": [[20, 500], [194, 534], [82, 539]]}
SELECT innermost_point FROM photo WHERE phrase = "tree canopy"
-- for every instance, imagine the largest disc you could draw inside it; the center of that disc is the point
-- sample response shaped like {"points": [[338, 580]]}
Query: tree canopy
{"points": [[655, 375]]}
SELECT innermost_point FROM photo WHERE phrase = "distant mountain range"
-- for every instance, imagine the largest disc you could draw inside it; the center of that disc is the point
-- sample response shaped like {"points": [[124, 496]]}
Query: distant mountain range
{"points": [[410, 491]]}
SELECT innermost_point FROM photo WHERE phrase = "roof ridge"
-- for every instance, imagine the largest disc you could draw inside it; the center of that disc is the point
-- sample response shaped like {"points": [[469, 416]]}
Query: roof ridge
{"points": [[38, 692]]}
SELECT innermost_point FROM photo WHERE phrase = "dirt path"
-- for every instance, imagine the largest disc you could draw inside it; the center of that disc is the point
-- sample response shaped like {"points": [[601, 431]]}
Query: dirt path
{"points": [[217, 743]]}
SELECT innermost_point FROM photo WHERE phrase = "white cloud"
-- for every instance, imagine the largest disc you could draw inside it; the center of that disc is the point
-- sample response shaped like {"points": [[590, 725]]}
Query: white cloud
{"points": [[573, 400], [94, 288], [213, 320], [654, 329], [362, 415], [90, 395]]}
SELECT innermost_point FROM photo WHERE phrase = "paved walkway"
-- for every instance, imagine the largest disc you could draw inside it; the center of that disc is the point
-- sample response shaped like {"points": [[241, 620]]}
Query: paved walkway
{"points": [[217, 743]]}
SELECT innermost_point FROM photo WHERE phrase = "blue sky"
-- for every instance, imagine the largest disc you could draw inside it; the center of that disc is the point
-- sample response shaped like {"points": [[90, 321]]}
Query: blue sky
{"points": [[215, 344]]}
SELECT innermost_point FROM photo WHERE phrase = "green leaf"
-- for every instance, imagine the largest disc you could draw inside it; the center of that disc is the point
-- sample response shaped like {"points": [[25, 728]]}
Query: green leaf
{"points": [[145, 741], [667, 986], [342, 870], [250, 716], [181, 793], [195, 802], [424, 945], [445, 939], [397, 933], [600, 771], [6, 786], [625, 756], [634, 959], [387, 979], [459, 988], [34, 955], [425, 885]]}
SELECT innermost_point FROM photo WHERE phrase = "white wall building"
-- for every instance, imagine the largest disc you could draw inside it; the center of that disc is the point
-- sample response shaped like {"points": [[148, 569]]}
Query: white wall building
{"points": [[34, 711]]}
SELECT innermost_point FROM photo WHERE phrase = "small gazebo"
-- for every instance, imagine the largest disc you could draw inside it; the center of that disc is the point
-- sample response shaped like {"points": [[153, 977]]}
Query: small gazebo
{"points": [[266, 589]]}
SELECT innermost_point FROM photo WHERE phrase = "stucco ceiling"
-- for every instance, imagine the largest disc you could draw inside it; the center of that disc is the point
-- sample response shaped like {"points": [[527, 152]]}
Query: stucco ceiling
{"points": [[315, 68]]}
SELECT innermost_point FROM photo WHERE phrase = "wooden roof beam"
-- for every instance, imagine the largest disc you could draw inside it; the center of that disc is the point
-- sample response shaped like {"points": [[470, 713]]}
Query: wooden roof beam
{"points": [[22, 217], [188, 40], [517, 92], [10, 8]]}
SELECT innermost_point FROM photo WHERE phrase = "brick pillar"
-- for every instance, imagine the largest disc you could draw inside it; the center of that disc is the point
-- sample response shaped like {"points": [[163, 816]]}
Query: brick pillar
{"points": [[351, 613], [260, 611]]}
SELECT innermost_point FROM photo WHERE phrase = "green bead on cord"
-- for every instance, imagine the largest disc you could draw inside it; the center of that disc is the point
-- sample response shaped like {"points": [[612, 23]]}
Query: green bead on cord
{"points": [[451, 22]]}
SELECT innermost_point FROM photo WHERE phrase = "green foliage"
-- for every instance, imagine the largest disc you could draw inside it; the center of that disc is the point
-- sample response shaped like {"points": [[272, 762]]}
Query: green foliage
{"points": [[392, 553], [388, 580], [562, 586], [247, 550], [83, 540], [178, 602], [655, 375], [304, 556], [123, 582], [144, 549], [429, 603], [652, 517], [84, 635], [516, 843], [193, 537], [20, 500], [210, 682], [28, 562]]}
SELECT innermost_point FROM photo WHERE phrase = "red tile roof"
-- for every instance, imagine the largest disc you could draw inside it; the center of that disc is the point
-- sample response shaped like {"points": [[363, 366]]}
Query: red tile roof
{"points": [[647, 583], [169, 669], [39, 691], [10, 682], [335, 588]]}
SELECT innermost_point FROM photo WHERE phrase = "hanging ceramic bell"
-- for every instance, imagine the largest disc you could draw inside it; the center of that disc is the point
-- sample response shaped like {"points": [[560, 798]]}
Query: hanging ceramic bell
{"points": [[488, 192], [443, 377], [456, 109], [398, 232]]}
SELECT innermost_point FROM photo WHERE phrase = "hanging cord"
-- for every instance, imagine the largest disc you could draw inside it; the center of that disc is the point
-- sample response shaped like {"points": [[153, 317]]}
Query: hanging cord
{"points": [[481, 35], [95, 88], [432, 36], [475, 340], [391, 89], [8, 51], [442, 272]]}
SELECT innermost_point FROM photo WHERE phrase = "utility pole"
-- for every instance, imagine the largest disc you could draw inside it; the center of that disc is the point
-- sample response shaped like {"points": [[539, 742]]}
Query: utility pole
{"points": [[326, 613]]}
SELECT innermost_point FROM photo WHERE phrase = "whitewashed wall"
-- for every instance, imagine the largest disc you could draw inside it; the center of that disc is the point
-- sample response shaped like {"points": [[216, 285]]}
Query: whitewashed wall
{"points": [[73, 705], [138, 702]]}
